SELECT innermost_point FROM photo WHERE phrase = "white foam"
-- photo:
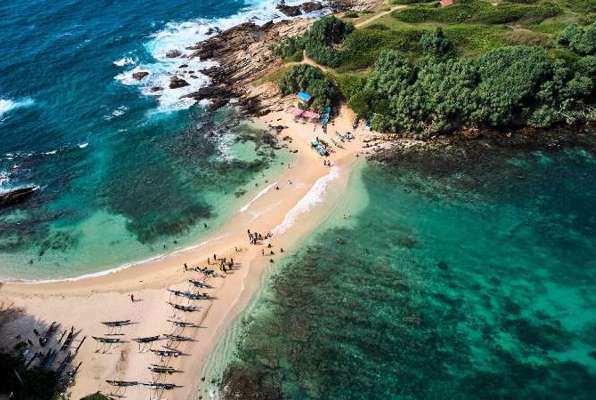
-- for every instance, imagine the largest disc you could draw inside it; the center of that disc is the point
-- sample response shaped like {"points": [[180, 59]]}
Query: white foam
{"points": [[180, 35], [83, 145], [7, 105], [124, 61], [257, 197], [313, 197]]}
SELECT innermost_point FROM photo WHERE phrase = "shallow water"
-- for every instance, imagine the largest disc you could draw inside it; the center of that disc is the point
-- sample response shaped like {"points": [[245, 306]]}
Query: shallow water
{"points": [[123, 170], [438, 290]]}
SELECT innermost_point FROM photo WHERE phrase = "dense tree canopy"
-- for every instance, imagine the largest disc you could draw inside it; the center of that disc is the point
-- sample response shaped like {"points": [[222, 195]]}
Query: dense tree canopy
{"points": [[311, 79], [509, 86]]}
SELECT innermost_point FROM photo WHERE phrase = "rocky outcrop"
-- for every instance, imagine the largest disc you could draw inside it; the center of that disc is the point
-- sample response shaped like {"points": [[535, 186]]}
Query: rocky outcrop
{"points": [[173, 53], [304, 8], [244, 54], [16, 196], [139, 75], [177, 82]]}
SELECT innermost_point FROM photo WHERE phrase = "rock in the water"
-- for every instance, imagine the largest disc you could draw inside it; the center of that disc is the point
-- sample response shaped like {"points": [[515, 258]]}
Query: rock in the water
{"points": [[213, 30], [173, 53], [16, 196], [156, 88], [183, 66], [139, 75], [177, 82]]}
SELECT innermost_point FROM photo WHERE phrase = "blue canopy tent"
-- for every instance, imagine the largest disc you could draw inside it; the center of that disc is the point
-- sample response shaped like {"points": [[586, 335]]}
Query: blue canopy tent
{"points": [[304, 97]]}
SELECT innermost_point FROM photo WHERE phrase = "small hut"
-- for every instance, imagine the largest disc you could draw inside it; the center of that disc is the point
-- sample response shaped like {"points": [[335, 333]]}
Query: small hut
{"points": [[445, 3]]}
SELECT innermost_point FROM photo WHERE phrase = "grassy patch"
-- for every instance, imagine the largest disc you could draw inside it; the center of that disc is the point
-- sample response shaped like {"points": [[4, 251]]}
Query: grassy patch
{"points": [[273, 76], [477, 11], [361, 48]]}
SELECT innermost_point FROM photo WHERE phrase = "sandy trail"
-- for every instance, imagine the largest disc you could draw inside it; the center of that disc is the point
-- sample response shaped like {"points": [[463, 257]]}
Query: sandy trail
{"points": [[86, 302]]}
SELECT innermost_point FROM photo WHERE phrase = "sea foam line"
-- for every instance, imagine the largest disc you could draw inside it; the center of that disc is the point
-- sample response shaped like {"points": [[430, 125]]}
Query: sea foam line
{"points": [[180, 36], [112, 270], [7, 105], [313, 197], [257, 197]]}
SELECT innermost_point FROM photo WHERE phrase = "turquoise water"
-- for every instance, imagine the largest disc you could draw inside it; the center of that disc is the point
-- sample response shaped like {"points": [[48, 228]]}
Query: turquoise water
{"points": [[126, 171], [474, 284]]}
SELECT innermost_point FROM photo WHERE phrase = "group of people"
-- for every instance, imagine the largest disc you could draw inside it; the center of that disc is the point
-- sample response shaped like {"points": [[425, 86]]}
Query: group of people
{"points": [[254, 237]]}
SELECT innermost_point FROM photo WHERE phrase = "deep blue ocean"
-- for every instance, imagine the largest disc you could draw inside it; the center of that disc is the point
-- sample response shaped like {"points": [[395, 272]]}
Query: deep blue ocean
{"points": [[125, 170]]}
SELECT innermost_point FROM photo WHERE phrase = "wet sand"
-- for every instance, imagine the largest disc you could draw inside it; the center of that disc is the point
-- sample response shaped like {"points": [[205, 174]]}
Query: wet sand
{"points": [[291, 213]]}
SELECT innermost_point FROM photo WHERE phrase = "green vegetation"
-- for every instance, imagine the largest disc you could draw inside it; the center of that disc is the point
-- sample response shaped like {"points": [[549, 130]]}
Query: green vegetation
{"points": [[580, 40], [435, 43], [431, 69], [478, 11], [312, 80], [290, 49], [510, 86]]}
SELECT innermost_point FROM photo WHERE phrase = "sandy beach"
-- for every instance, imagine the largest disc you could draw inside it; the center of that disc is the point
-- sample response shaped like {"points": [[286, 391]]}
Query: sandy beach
{"points": [[290, 206]]}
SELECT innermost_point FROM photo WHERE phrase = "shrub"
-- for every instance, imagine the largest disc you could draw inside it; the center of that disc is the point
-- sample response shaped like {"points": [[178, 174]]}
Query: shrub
{"points": [[435, 43], [581, 40], [351, 14], [311, 79], [362, 47], [291, 48], [479, 11]]}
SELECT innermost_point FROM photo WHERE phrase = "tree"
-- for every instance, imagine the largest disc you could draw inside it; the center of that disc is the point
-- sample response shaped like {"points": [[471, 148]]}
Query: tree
{"points": [[435, 43]]}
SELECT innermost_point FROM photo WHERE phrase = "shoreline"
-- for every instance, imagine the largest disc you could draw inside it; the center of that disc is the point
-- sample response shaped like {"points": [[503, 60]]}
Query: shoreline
{"points": [[105, 297]]}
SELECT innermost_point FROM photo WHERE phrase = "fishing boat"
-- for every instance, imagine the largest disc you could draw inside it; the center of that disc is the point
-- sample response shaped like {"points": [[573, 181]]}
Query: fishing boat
{"points": [[178, 338], [167, 353], [146, 339], [117, 323], [199, 284], [107, 340], [162, 369], [122, 383], [183, 308], [183, 324], [188, 294]]}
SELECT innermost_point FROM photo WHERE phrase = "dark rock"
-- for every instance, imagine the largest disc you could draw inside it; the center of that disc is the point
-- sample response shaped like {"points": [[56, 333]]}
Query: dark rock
{"points": [[290, 11], [177, 82], [293, 11], [16, 196], [139, 75], [156, 88], [311, 6], [213, 30], [173, 53], [183, 66]]}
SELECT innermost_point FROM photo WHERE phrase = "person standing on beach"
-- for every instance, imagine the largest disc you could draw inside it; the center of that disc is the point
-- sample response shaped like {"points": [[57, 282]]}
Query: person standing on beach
{"points": [[132, 298]]}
